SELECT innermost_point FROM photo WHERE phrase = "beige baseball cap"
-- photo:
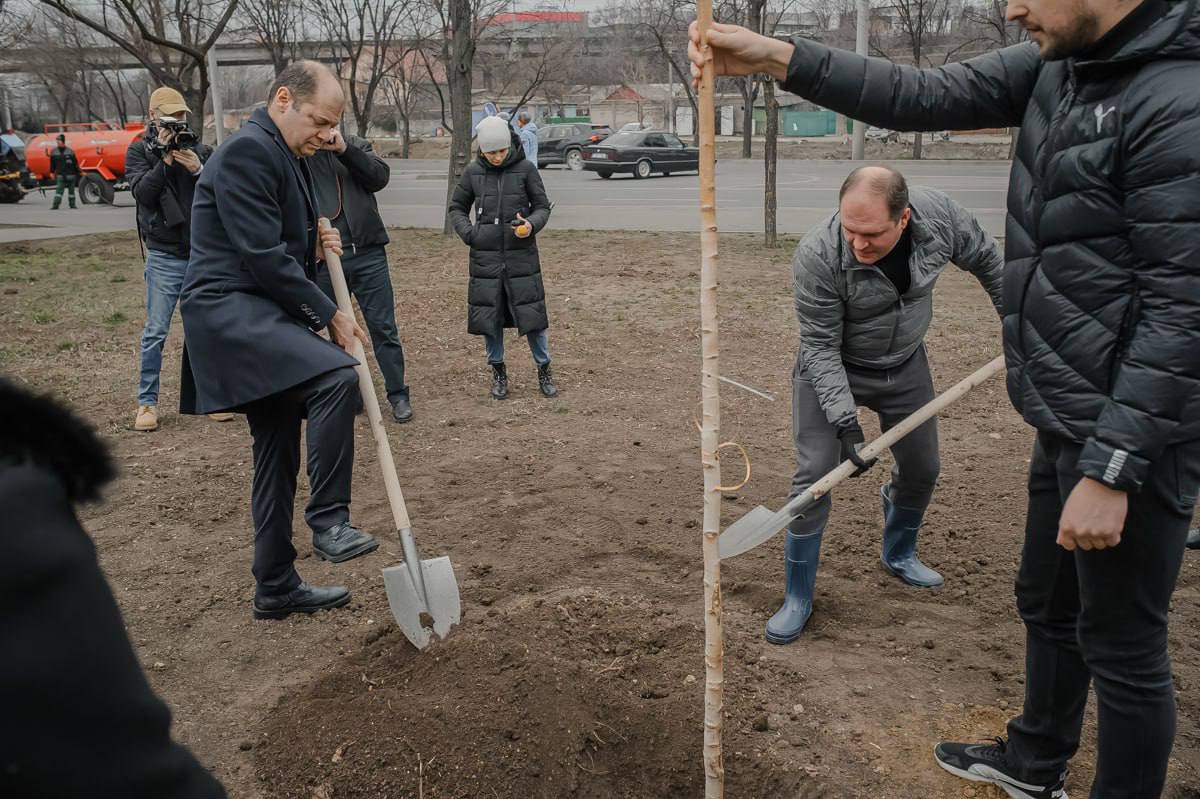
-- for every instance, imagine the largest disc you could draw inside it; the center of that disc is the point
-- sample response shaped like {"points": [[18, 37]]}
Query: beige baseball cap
{"points": [[168, 101]]}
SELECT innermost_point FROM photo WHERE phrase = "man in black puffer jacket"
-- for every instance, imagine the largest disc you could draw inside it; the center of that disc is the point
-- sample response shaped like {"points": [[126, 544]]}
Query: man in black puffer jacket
{"points": [[1101, 327], [346, 175]]}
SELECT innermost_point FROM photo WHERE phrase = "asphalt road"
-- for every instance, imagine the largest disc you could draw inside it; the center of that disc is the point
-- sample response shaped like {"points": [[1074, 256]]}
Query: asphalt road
{"points": [[416, 198]]}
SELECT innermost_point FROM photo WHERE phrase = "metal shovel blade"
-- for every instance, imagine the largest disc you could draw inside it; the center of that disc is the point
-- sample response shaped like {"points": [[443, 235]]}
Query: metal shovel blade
{"points": [[406, 604], [439, 600], [748, 532], [760, 524]]}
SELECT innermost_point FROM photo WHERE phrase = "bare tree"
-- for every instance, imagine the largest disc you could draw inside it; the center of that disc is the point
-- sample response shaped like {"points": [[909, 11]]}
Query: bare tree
{"points": [[920, 22], [405, 88], [662, 25], [170, 38], [458, 54], [274, 24], [771, 167], [535, 53], [459, 24], [634, 73], [362, 34], [989, 19], [113, 83], [479, 14], [52, 63], [830, 17], [15, 23], [245, 86], [748, 13]]}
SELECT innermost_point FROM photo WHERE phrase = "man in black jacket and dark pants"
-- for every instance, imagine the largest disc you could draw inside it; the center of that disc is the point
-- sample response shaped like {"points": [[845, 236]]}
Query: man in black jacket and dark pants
{"points": [[252, 309], [79, 718], [162, 177], [1101, 328], [64, 165], [346, 175]]}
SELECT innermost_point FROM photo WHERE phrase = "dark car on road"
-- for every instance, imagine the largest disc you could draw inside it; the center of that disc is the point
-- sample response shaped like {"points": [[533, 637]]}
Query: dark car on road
{"points": [[642, 153], [563, 143]]}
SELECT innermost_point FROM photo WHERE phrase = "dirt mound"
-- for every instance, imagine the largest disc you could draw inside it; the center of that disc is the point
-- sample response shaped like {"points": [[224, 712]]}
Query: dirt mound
{"points": [[570, 694]]}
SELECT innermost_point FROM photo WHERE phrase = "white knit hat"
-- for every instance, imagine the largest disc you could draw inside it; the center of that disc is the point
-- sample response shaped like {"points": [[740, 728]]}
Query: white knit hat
{"points": [[493, 134]]}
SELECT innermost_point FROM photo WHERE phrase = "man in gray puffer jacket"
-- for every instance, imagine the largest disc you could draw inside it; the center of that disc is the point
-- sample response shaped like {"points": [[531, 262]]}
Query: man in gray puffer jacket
{"points": [[864, 283], [1101, 330]]}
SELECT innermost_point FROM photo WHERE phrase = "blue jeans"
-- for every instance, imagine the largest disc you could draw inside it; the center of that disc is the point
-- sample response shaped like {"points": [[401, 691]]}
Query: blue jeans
{"points": [[368, 279], [539, 345], [164, 281]]}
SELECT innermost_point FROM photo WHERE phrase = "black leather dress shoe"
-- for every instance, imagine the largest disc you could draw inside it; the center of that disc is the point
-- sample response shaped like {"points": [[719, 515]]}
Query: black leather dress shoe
{"points": [[302, 599], [342, 542], [402, 410]]}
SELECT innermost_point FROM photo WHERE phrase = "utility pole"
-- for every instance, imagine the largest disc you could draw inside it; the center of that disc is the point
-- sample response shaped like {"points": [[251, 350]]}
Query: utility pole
{"points": [[860, 47], [214, 86]]}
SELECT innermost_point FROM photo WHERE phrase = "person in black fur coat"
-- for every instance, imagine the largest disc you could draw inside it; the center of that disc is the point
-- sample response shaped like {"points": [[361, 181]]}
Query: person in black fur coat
{"points": [[77, 717]]}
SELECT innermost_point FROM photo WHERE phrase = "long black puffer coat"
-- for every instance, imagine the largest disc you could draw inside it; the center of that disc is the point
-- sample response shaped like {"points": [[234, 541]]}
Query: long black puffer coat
{"points": [[505, 288], [1102, 284]]}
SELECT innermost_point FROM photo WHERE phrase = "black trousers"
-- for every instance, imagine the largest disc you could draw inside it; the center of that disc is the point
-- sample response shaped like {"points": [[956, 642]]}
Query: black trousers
{"points": [[329, 403], [1100, 617], [370, 282]]}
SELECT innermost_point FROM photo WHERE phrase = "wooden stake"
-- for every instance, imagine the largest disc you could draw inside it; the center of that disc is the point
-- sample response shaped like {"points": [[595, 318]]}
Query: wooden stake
{"points": [[714, 669]]}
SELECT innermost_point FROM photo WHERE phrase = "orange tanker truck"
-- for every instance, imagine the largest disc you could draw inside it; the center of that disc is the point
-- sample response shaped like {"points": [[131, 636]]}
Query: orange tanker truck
{"points": [[100, 148]]}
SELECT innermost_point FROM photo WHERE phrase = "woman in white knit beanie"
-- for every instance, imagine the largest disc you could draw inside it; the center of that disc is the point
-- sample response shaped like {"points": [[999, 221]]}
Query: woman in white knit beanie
{"points": [[505, 287]]}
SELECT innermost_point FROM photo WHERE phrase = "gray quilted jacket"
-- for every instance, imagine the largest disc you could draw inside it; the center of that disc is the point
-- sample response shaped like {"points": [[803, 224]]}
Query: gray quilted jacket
{"points": [[850, 312], [1102, 286]]}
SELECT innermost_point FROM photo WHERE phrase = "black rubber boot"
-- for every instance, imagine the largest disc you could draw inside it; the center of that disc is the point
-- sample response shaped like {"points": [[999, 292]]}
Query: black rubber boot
{"points": [[802, 552], [499, 381], [546, 381], [899, 556]]}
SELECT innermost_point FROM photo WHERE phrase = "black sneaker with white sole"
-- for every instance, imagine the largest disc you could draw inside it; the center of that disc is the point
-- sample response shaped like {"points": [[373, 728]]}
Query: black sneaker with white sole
{"points": [[987, 763]]}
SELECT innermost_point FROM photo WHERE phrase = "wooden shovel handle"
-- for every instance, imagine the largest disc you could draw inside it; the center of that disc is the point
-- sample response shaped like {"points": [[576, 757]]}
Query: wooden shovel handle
{"points": [[910, 423], [367, 387]]}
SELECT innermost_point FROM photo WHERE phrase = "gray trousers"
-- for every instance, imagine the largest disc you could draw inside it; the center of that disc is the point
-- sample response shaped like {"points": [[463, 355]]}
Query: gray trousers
{"points": [[891, 393]]}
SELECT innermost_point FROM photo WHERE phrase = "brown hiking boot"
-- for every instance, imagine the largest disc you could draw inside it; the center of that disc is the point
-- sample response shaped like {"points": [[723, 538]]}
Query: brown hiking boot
{"points": [[147, 418]]}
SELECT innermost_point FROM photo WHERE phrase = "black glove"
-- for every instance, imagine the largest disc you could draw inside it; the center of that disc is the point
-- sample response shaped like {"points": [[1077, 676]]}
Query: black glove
{"points": [[851, 437]]}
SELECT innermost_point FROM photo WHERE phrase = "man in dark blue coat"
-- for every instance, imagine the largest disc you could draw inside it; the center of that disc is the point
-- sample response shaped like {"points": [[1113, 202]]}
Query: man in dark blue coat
{"points": [[252, 311]]}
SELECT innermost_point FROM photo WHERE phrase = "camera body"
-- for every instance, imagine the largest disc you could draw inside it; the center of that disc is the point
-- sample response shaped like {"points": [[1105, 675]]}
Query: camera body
{"points": [[182, 136]]}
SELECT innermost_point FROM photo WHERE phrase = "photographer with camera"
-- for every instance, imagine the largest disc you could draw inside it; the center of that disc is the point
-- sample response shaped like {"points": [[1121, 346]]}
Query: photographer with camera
{"points": [[162, 168]]}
